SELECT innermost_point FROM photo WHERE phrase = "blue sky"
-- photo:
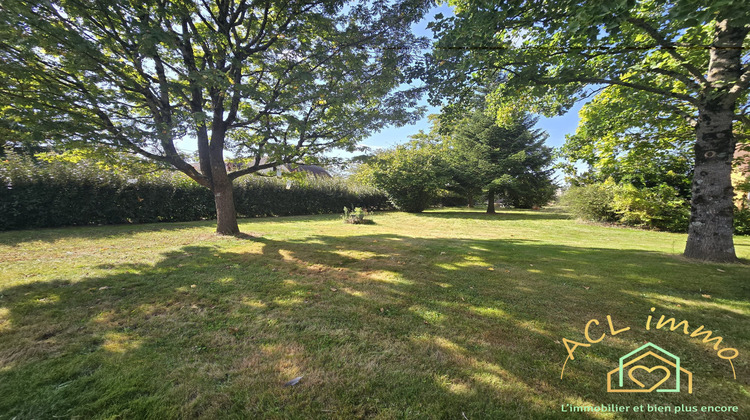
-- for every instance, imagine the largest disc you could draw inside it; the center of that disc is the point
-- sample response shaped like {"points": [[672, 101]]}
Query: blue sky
{"points": [[556, 127]]}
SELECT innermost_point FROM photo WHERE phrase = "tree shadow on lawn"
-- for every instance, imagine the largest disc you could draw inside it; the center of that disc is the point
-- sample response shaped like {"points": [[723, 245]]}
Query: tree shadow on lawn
{"points": [[16, 237], [378, 325], [500, 214]]}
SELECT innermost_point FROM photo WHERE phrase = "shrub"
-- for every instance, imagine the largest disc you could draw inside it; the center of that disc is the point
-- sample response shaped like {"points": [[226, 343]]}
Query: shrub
{"points": [[591, 202], [53, 194], [742, 221], [261, 196], [411, 175], [356, 216], [659, 207]]}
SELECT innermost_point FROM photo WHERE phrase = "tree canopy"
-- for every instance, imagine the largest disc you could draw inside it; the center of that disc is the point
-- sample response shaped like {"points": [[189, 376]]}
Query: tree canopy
{"points": [[626, 136], [272, 82]]}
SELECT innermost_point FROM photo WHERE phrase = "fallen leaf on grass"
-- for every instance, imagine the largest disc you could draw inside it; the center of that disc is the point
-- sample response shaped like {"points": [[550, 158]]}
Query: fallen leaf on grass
{"points": [[104, 288], [587, 287], [333, 289], [193, 286], [720, 270], [706, 296], [294, 381], [491, 269]]}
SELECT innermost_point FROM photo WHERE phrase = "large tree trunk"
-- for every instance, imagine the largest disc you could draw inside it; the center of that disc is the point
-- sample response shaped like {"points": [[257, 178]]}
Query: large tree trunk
{"points": [[710, 230], [221, 186], [470, 200], [226, 216], [491, 202]]}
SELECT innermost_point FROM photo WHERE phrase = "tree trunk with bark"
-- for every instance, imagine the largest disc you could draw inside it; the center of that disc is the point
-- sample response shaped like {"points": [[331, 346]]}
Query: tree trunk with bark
{"points": [[221, 184], [491, 202], [711, 219], [226, 215]]}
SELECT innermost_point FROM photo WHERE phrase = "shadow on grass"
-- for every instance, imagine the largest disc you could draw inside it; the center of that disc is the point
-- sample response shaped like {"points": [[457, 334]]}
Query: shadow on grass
{"points": [[15, 237], [378, 325], [500, 214]]}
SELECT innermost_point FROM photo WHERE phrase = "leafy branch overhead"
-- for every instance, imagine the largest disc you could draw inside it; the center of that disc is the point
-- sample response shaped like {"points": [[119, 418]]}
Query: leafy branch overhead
{"points": [[549, 55], [281, 79]]}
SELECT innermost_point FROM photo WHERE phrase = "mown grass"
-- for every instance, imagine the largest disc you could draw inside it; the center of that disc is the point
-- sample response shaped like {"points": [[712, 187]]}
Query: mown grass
{"points": [[447, 314]]}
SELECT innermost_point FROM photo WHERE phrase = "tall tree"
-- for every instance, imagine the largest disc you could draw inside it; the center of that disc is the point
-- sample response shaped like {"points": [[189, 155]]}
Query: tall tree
{"points": [[509, 162], [689, 56], [272, 81]]}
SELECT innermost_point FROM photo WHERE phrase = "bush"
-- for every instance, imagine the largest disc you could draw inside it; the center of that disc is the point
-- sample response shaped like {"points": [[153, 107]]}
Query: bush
{"points": [[658, 207], [742, 221], [54, 194], [411, 175], [591, 202], [356, 216], [261, 196]]}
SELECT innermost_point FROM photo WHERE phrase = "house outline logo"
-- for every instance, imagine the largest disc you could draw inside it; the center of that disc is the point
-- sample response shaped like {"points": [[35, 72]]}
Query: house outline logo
{"points": [[653, 350]]}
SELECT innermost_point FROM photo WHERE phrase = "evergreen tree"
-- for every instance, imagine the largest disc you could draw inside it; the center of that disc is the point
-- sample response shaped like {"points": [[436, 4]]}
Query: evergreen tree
{"points": [[510, 162]]}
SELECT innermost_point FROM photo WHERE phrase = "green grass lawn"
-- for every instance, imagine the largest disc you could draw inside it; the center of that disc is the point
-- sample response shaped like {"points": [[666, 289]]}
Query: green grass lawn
{"points": [[446, 314]]}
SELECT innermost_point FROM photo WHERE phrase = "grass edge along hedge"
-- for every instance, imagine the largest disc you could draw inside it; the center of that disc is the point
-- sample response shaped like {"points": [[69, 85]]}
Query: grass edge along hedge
{"points": [[55, 194]]}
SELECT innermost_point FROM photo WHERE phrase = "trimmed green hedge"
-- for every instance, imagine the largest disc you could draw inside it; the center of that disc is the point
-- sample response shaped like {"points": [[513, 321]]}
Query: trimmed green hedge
{"points": [[34, 195]]}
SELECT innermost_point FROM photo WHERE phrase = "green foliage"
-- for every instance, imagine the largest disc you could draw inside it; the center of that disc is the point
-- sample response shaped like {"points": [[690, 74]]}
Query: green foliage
{"points": [[411, 174], [453, 167], [511, 160], [60, 193], [742, 221], [674, 66], [630, 137], [658, 207], [591, 202], [260, 196], [548, 55], [272, 82], [356, 216]]}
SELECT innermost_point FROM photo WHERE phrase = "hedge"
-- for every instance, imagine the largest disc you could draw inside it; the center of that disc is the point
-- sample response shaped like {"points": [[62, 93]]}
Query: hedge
{"points": [[35, 195]]}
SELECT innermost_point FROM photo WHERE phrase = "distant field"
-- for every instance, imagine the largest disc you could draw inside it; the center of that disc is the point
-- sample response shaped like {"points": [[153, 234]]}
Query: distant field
{"points": [[448, 314]]}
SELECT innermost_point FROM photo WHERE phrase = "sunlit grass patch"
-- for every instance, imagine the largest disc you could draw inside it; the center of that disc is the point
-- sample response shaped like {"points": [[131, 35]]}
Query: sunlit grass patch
{"points": [[440, 315]]}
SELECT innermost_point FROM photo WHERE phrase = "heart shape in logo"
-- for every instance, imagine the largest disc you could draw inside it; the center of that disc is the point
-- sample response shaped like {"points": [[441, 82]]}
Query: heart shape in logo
{"points": [[667, 374]]}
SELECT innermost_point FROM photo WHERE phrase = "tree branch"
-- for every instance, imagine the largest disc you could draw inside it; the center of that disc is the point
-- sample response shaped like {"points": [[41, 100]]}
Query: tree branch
{"points": [[669, 47]]}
